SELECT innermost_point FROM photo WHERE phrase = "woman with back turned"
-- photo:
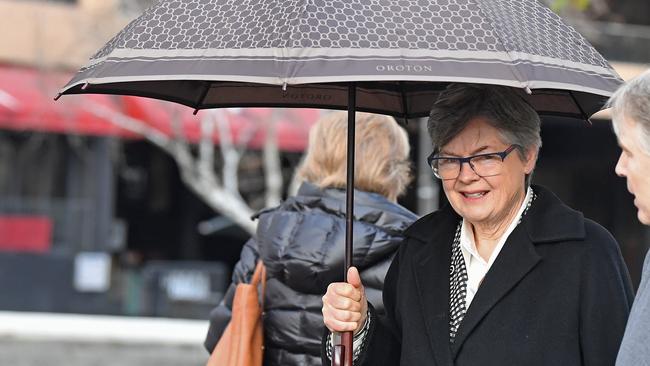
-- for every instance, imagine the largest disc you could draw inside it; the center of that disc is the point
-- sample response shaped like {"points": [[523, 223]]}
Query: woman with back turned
{"points": [[302, 241]]}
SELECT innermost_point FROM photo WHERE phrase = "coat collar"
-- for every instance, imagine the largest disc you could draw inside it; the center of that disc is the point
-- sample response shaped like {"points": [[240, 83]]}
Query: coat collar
{"points": [[548, 220]]}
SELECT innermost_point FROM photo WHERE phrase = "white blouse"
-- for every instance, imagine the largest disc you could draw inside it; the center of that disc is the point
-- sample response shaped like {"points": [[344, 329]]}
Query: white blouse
{"points": [[475, 265]]}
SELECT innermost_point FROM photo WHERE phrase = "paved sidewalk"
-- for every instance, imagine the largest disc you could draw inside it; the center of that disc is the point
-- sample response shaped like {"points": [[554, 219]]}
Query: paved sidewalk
{"points": [[53, 353], [37, 339]]}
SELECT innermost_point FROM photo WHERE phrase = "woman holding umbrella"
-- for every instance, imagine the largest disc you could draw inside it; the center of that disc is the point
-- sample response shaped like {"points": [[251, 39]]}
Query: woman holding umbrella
{"points": [[506, 274], [300, 241]]}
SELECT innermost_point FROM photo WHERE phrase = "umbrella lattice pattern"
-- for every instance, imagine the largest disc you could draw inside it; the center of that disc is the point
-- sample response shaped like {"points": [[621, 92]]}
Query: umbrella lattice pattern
{"points": [[525, 26], [297, 42]]}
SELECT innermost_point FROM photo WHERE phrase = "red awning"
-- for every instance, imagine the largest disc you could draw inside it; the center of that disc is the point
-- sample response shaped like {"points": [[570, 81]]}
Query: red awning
{"points": [[292, 125], [26, 103]]}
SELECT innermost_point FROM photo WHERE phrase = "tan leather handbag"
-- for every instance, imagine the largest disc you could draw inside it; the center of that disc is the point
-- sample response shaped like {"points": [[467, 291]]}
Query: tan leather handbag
{"points": [[242, 343]]}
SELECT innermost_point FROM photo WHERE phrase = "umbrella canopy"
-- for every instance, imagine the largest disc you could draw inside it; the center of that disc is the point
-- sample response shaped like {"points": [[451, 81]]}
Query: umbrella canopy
{"points": [[224, 53]]}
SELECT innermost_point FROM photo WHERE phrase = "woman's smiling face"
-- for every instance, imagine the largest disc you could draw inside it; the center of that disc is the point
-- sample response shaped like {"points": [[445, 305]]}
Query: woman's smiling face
{"points": [[485, 200]]}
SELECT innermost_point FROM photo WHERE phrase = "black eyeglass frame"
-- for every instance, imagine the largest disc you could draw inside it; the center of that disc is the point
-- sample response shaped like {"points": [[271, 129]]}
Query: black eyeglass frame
{"points": [[432, 157]]}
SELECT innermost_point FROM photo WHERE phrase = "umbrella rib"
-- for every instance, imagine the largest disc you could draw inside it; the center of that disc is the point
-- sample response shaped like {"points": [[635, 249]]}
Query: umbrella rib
{"points": [[204, 93], [404, 101], [513, 69], [584, 115], [293, 23]]}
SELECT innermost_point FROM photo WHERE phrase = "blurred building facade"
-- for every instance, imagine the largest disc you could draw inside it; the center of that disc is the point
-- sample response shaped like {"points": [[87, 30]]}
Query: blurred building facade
{"points": [[94, 219], [62, 181], [97, 221]]}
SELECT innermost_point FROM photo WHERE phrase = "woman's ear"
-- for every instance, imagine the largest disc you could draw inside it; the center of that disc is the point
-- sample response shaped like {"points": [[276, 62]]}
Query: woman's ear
{"points": [[531, 160]]}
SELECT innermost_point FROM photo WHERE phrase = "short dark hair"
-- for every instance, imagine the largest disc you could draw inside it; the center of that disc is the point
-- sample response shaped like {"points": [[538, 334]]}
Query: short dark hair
{"points": [[504, 108]]}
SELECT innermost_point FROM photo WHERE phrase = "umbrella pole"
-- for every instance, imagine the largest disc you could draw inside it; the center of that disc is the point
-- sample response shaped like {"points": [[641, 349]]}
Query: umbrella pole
{"points": [[343, 352]]}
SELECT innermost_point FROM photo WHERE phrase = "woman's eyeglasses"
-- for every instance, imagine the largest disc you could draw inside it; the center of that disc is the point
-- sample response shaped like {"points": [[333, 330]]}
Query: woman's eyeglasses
{"points": [[484, 165]]}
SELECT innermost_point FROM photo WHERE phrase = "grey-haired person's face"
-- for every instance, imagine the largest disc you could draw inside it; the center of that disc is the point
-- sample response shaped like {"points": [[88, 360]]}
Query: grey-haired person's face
{"points": [[483, 199], [503, 108]]}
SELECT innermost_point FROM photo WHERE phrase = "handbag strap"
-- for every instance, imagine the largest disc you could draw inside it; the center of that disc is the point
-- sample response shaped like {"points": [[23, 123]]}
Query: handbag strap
{"points": [[260, 275]]}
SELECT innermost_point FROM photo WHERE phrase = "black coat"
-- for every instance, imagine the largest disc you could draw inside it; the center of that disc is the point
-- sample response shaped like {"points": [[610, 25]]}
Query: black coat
{"points": [[302, 244], [558, 294]]}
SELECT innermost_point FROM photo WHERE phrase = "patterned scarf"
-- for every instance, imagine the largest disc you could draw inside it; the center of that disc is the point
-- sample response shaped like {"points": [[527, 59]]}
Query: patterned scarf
{"points": [[458, 279]]}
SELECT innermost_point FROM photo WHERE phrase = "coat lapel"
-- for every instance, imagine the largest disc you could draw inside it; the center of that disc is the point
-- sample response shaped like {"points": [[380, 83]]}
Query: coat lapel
{"points": [[432, 282], [516, 259]]}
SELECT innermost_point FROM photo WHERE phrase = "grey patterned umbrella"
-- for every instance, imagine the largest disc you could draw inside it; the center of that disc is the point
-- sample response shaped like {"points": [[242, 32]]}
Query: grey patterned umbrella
{"points": [[383, 56], [290, 53]]}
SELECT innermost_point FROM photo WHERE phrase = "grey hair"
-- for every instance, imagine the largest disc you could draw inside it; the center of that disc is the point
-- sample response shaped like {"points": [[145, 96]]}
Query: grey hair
{"points": [[632, 101], [506, 110]]}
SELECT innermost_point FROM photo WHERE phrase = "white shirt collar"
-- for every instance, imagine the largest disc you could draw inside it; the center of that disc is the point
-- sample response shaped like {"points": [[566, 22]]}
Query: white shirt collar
{"points": [[475, 265]]}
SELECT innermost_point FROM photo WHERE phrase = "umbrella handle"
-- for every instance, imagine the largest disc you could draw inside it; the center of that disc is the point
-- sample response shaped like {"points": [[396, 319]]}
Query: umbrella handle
{"points": [[342, 352], [337, 356]]}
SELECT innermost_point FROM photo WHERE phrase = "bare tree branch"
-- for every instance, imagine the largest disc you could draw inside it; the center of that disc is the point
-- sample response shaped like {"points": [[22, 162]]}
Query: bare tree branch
{"points": [[198, 175], [272, 166], [246, 136], [231, 156], [206, 144]]}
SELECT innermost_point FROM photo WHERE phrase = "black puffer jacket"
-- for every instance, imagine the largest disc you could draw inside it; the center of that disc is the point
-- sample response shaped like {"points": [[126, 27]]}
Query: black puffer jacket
{"points": [[301, 243]]}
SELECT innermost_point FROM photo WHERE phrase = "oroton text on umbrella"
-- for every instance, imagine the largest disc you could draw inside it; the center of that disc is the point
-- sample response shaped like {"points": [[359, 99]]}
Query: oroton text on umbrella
{"points": [[400, 68]]}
